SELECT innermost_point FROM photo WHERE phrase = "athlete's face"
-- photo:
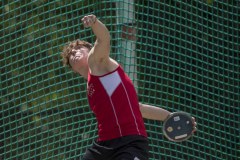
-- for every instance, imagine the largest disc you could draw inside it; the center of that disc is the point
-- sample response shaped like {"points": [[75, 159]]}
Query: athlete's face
{"points": [[78, 59]]}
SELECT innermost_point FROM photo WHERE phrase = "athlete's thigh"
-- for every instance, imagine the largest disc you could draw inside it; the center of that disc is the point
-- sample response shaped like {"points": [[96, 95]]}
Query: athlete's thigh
{"points": [[127, 156], [131, 153], [135, 150], [97, 152], [88, 156]]}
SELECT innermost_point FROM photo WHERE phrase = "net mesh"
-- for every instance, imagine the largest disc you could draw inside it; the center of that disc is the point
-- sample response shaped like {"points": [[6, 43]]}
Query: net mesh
{"points": [[181, 55]]}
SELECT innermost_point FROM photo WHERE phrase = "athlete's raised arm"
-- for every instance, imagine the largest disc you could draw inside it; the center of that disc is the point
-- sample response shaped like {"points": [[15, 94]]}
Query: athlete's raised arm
{"points": [[101, 50]]}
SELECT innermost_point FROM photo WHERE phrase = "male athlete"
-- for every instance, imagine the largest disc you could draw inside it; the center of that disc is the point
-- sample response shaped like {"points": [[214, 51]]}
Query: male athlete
{"points": [[112, 98]]}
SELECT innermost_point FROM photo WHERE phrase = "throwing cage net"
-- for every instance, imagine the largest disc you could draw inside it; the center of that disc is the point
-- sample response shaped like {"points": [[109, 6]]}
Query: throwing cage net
{"points": [[181, 56]]}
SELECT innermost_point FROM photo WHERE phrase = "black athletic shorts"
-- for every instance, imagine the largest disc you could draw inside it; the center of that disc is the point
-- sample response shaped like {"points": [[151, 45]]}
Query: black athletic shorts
{"points": [[124, 148]]}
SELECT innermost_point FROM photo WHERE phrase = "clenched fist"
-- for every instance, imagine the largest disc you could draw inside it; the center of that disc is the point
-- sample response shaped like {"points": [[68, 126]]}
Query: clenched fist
{"points": [[89, 20]]}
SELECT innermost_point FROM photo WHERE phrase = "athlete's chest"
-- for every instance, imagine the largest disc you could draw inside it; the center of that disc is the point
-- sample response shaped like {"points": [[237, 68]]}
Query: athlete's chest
{"points": [[100, 90]]}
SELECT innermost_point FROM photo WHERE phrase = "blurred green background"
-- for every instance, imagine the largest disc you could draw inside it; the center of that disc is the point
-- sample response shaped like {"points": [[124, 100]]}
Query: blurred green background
{"points": [[187, 58]]}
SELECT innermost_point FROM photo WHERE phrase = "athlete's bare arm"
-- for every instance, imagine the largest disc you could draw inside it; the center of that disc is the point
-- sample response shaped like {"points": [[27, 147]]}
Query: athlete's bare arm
{"points": [[153, 113], [160, 114], [99, 60]]}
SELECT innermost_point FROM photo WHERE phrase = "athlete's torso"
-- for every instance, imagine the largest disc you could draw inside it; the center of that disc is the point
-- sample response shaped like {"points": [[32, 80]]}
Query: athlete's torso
{"points": [[114, 101]]}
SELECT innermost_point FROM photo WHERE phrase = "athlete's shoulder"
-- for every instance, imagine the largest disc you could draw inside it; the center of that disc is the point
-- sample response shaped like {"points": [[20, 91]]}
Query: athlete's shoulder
{"points": [[102, 69]]}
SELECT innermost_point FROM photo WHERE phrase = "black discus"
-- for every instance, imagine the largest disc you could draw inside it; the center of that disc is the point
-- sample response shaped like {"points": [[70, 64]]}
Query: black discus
{"points": [[178, 126]]}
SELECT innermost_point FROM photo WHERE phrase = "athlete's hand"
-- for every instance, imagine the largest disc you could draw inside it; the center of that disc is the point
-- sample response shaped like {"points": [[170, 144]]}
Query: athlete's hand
{"points": [[89, 20], [194, 125]]}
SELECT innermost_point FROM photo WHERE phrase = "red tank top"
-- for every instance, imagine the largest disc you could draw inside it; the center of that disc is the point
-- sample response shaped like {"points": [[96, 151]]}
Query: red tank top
{"points": [[113, 100]]}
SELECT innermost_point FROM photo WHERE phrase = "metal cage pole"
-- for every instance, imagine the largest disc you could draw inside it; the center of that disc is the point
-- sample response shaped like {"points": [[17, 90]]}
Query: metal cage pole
{"points": [[127, 44]]}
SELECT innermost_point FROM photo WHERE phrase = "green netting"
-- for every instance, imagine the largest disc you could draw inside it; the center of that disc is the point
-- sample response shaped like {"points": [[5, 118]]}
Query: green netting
{"points": [[181, 54]]}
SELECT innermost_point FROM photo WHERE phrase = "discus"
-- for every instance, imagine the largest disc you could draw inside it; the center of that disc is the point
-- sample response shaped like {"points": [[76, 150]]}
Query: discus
{"points": [[178, 126]]}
